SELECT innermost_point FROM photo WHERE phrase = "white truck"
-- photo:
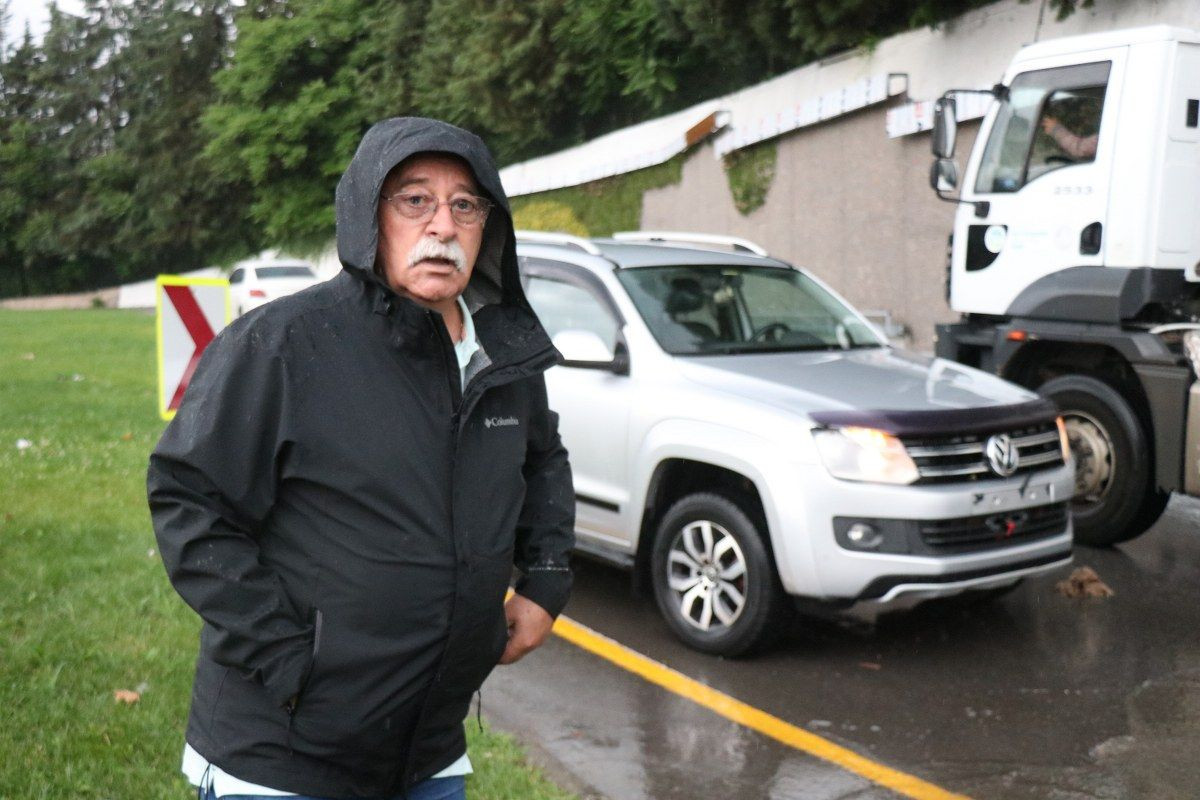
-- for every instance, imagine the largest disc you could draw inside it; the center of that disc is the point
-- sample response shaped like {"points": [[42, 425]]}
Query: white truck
{"points": [[1075, 258]]}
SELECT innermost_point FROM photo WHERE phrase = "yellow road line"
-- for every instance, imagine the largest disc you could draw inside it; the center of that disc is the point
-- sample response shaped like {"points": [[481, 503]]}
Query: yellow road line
{"points": [[743, 714]]}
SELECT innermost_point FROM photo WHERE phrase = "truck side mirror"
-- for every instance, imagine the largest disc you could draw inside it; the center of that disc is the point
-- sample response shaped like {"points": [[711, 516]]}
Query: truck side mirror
{"points": [[945, 127], [944, 176]]}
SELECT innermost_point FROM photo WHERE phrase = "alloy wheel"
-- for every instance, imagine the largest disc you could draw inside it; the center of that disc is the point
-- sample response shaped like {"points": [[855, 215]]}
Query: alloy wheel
{"points": [[706, 573]]}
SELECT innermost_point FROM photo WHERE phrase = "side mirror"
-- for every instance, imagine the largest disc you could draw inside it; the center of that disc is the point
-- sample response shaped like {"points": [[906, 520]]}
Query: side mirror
{"points": [[944, 176], [945, 127], [586, 350]]}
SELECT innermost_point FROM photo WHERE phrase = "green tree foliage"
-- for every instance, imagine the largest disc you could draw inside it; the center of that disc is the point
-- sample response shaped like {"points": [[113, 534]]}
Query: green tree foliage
{"points": [[27, 162], [740, 41], [144, 136], [105, 178], [493, 66], [307, 79], [54, 119], [5, 22], [173, 207], [530, 76]]}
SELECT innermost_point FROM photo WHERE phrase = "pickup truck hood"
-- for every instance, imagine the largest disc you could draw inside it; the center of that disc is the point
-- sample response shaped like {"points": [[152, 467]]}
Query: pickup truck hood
{"points": [[852, 380]]}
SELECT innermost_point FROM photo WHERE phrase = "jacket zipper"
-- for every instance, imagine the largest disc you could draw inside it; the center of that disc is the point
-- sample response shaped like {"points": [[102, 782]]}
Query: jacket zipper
{"points": [[477, 386], [450, 364], [466, 404]]}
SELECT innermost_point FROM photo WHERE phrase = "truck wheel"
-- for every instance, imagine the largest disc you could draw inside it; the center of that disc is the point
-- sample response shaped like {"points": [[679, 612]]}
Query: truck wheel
{"points": [[1115, 495], [713, 578]]}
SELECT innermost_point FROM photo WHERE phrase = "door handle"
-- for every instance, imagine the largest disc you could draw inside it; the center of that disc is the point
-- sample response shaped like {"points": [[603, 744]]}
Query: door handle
{"points": [[1089, 239]]}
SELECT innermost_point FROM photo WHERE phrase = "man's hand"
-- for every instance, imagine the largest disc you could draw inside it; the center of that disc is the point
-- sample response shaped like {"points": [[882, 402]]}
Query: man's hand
{"points": [[528, 627]]}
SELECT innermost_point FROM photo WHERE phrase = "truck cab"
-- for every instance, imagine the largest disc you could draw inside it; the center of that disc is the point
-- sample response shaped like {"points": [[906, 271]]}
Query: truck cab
{"points": [[1075, 257]]}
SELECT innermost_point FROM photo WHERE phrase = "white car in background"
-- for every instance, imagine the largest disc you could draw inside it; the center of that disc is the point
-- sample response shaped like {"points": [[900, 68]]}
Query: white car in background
{"points": [[253, 283]]}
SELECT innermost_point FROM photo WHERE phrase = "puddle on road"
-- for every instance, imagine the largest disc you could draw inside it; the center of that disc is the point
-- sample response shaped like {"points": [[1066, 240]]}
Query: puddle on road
{"points": [[1160, 757]]}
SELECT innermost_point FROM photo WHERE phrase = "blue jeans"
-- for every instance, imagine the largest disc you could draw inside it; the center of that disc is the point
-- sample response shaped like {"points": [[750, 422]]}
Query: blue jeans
{"points": [[452, 788]]}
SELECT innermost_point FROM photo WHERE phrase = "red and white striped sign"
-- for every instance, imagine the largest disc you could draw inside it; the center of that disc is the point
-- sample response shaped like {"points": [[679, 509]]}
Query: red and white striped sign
{"points": [[191, 311]]}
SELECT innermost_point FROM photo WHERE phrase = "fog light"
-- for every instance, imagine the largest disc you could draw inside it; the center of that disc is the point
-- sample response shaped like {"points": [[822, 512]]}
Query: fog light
{"points": [[864, 536]]}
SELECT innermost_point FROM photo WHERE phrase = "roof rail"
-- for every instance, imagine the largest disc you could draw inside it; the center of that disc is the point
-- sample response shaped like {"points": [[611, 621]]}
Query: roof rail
{"points": [[735, 242], [548, 237]]}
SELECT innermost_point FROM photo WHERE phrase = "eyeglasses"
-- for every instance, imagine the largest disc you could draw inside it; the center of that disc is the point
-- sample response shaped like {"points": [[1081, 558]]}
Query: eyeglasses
{"points": [[421, 206]]}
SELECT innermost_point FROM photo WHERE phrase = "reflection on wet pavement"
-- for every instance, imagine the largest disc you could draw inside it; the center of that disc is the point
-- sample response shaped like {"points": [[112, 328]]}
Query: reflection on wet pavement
{"points": [[628, 739], [1032, 696]]}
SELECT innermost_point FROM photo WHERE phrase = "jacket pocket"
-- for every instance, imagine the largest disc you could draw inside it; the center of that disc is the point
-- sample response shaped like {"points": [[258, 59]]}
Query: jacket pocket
{"points": [[358, 703], [318, 624]]}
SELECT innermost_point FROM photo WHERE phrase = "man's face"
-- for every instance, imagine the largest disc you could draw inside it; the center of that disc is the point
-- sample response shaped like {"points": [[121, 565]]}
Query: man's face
{"points": [[413, 252]]}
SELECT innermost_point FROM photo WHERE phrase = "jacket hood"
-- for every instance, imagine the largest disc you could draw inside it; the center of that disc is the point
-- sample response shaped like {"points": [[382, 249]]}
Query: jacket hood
{"points": [[495, 278]]}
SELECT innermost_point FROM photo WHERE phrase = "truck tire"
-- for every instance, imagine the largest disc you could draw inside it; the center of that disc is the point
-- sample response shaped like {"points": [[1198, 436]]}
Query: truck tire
{"points": [[714, 580], [1116, 498]]}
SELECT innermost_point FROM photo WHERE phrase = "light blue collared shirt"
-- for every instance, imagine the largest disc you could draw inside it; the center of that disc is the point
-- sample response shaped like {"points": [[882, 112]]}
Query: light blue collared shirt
{"points": [[463, 350]]}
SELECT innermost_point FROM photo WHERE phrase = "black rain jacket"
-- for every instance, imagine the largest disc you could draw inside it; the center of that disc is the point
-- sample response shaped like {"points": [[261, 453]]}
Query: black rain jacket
{"points": [[345, 517]]}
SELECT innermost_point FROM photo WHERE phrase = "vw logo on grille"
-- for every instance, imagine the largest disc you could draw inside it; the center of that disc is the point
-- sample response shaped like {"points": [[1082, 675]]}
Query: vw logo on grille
{"points": [[1002, 454]]}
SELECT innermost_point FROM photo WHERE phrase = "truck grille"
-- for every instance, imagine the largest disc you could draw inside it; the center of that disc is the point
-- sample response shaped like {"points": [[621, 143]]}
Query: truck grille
{"points": [[987, 530], [962, 458]]}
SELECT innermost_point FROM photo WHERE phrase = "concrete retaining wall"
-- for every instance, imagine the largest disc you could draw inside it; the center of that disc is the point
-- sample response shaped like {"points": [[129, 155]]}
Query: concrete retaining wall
{"points": [[847, 203]]}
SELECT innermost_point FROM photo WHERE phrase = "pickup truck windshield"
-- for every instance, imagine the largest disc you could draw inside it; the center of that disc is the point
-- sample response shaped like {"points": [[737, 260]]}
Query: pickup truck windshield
{"points": [[702, 310]]}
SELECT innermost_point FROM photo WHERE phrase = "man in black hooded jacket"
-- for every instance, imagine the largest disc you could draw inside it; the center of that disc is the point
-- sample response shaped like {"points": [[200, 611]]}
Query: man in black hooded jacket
{"points": [[351, 477]]}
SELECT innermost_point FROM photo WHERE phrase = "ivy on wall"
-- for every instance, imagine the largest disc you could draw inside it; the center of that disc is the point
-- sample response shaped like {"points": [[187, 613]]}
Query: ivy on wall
{"points": [[599, 208], [750, 172]]}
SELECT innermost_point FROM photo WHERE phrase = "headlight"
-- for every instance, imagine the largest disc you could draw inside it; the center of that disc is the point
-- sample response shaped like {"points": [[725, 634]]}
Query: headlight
{"points": [[865, 454]]}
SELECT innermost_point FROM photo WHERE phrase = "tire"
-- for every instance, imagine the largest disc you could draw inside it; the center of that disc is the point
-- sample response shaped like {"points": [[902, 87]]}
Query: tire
{"points": [[714, 580], [1116, 497]]}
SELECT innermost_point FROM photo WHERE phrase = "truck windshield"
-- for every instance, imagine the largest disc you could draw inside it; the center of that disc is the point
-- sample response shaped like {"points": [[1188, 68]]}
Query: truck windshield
{"points": [[697, 310], [1051, 119]]}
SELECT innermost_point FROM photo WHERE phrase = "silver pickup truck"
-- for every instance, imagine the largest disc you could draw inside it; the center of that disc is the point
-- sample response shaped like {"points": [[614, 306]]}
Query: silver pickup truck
{"points": [[739, 434]]}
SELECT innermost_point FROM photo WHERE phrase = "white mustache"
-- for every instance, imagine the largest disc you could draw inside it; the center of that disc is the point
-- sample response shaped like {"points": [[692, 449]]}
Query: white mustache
{"points": [[427, 248]]}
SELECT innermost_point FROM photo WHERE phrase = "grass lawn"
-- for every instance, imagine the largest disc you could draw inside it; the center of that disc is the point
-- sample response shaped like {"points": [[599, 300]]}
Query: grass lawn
{"points": [[85, 606]]}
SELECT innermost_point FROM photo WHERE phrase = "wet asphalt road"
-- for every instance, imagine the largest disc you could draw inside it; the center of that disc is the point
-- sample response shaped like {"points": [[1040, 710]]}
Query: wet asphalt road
{"points": [[1031, 696]]}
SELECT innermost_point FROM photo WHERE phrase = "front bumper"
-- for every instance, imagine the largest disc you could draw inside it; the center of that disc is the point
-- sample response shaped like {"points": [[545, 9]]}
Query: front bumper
{"points": [[888, 588], [812, 562]]}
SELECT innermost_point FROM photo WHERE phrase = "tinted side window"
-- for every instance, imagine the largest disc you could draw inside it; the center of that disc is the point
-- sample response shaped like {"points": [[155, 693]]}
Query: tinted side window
{"points": [[1051, 119], [1069, 130], [564, 306], [237, 276]]}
